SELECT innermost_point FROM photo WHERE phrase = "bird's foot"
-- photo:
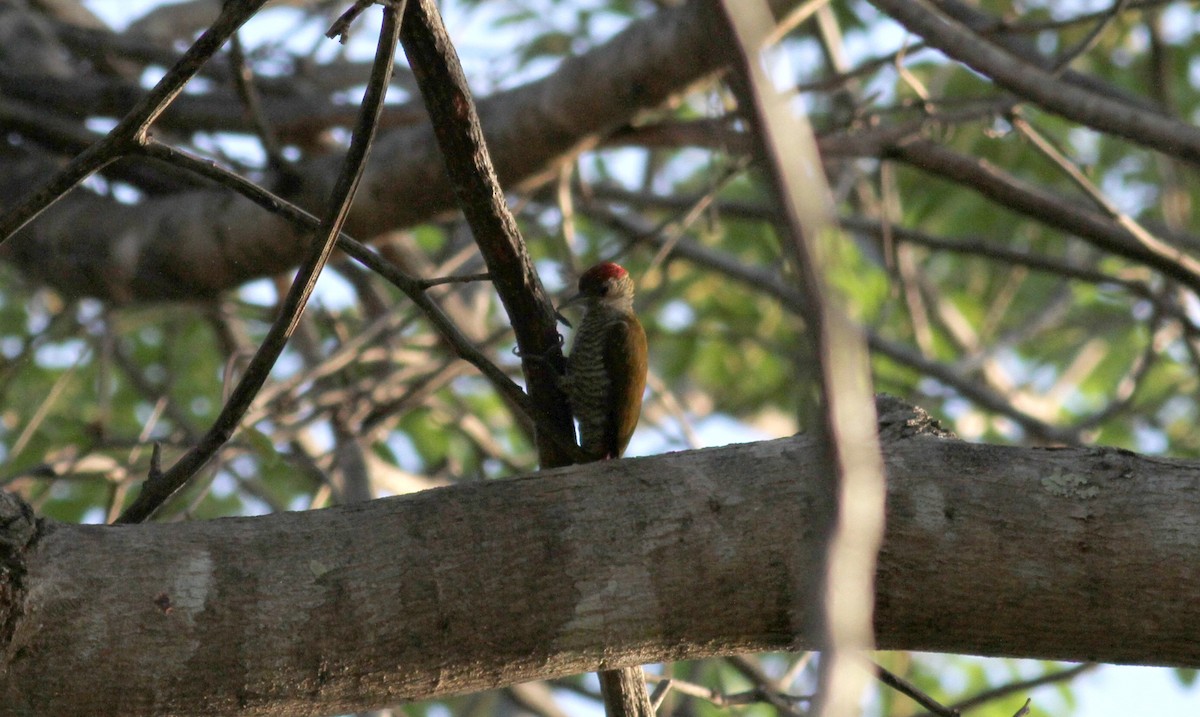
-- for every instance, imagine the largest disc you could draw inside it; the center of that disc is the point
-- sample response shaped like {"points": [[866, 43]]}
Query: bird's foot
{"points": [[548, 358]]}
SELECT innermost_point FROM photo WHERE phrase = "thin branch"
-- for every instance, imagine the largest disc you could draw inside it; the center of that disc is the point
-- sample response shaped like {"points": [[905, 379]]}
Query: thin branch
{"points": [[673, 229], [975, 246], [913, 692], [411, 286], [1031, 82], [715, 133], [783, 702], [56, 390], [1052, 210], [990, 250], [1013, 26], [1126, 388], [1012, 688], [131, 130], [974, 390], [243, 79], [762, 280], [1013, 37], [464, 279], [766, 689], [1071, 169], [1090, 40], [340, 29], [459, 135], [153, 495], [1099, 228]]}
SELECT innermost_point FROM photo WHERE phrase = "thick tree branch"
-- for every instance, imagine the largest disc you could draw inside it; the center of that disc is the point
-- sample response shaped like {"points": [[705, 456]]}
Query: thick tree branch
{"points": [[1073, 554]]}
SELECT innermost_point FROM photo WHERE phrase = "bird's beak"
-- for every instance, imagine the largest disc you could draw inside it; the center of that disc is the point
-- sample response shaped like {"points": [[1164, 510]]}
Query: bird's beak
{"points": [[569, 302]]}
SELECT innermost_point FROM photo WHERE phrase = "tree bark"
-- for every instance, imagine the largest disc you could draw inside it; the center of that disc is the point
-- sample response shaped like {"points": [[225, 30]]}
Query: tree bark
{"points": [[1073, 554], [624, 692]]}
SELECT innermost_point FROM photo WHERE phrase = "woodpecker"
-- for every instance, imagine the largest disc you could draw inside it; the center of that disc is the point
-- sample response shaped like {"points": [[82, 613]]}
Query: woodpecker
{"points": [[606, 370]]}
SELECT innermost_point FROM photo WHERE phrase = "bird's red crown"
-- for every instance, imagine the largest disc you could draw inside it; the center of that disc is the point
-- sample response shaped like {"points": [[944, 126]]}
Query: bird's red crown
{"points": [[601, 273]]}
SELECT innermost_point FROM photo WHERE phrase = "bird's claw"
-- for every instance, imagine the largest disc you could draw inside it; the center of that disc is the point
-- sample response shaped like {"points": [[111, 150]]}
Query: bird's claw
{"points": [[542, 357]]}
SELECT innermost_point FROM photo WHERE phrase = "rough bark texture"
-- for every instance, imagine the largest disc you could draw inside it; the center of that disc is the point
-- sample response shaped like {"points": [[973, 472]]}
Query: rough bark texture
{"points": [[624, 692], [1077, 554]]}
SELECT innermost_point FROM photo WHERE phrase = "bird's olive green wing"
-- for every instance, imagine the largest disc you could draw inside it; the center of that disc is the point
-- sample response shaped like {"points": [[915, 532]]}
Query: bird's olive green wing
{"points": [[625, 363]]}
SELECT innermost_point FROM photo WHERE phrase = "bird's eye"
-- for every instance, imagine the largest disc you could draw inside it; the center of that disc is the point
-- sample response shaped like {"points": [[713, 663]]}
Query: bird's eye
{"points": [[604, 289]]}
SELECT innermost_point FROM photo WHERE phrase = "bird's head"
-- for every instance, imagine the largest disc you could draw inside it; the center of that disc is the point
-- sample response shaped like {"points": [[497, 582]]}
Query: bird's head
{"points": [[605, 284]]}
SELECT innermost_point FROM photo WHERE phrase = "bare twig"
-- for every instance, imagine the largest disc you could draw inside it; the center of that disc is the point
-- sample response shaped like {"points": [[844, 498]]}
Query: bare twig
{"points": [[907, 688], [766, 689], [1019, 686], [764, 693], [464, 279], [56, 391], [1043, 144], [411, 286], [1031, 82], [131, 130], [340, 29], [674, 228], [247, 90], [1052, 210], [1011, 36], [1089, 41], [153, 495], [1126, 388]]}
